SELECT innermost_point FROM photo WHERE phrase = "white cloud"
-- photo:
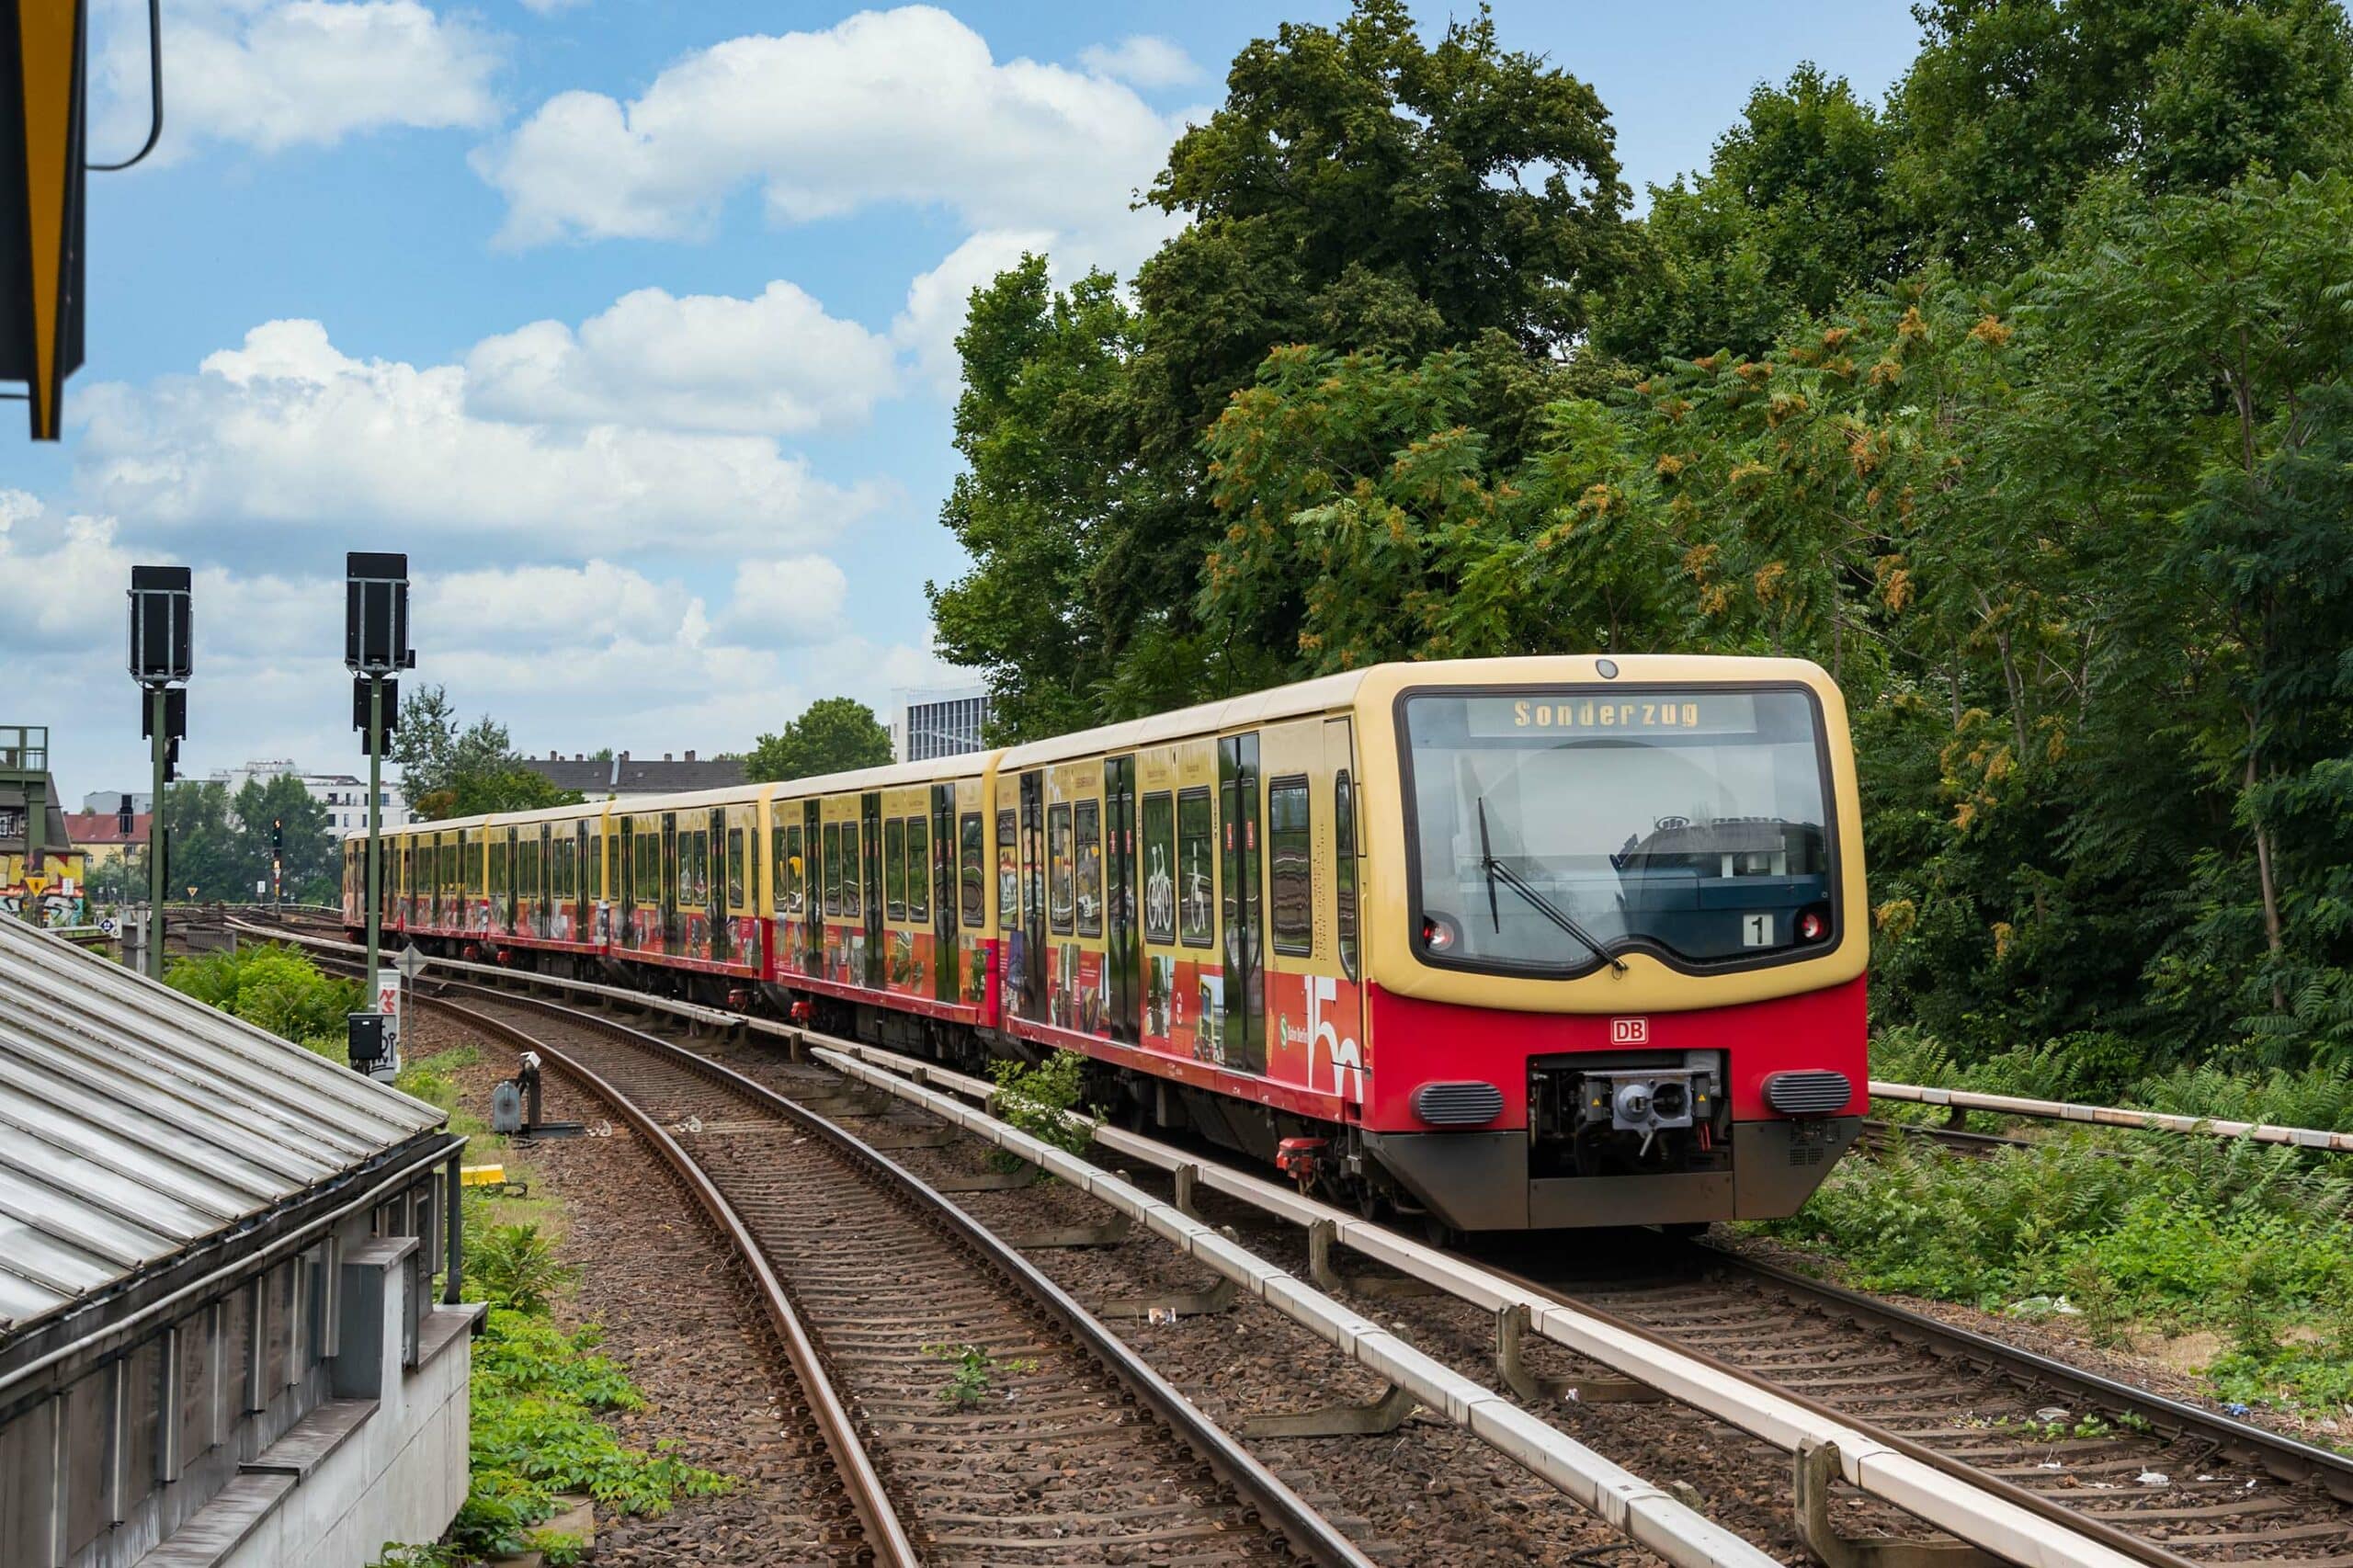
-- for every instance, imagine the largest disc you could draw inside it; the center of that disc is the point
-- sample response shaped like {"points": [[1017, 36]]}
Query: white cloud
{"points": [[937, 299], [287, 430], [902, 107], [776, 364], [61, 578], [794, 600], [548, 8], [278, 74], [1144, 59]]}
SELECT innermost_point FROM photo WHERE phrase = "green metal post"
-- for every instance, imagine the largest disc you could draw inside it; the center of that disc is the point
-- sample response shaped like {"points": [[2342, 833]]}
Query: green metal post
{"points": [[155, 696], [375, 825]]}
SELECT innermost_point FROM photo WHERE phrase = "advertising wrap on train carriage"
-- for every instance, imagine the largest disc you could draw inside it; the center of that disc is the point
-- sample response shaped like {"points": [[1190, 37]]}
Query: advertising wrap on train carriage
{"points": [[1313, 1039]]}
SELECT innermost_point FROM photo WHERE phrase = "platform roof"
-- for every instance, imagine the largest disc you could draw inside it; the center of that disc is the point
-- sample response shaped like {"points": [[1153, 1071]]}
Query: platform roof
{"points": [[137, 1123]]}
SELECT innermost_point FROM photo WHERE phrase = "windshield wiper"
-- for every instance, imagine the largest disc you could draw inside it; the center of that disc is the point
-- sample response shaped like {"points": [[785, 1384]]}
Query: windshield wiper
{"points": [[1499, 872]]}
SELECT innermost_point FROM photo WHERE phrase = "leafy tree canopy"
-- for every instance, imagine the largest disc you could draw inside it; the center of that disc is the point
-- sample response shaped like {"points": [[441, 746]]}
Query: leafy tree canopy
{"points": [[834, 734], [448, 771]]}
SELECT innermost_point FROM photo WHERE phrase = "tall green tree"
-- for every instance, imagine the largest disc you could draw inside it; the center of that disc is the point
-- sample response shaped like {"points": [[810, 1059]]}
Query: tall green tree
{"points": [[449, 771], [833, 734], [2013, 105], [1042, 423], [1796, 211], [1360, 188]]}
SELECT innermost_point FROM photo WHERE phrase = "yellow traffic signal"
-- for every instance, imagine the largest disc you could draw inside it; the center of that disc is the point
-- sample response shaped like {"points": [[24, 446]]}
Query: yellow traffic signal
{"points": [[43, 109]]}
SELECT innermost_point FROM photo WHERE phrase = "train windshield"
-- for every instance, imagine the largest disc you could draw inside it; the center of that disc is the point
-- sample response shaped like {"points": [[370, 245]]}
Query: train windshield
{"points": [[1555, 829]]}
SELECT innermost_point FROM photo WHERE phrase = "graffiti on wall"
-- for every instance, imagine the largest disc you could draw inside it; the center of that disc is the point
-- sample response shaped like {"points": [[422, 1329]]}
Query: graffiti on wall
{"points": [[53, 900]]}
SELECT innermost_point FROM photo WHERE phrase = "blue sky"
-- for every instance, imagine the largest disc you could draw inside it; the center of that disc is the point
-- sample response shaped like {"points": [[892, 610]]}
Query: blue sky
{"points": [[629, 320]]}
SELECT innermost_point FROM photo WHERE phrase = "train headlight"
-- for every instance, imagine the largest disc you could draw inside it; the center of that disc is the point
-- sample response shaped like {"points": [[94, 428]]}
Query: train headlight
{"points": [[1440, 933], [1812, 926]]}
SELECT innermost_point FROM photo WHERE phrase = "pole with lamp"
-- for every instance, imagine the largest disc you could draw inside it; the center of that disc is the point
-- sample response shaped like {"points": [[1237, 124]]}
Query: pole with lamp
{"points": [[161, 600], [375, 648]]}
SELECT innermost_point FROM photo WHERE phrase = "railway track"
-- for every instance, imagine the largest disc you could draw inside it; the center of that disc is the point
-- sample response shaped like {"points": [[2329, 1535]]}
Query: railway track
{"points": [[2160, 1481], [1070, 1450]]}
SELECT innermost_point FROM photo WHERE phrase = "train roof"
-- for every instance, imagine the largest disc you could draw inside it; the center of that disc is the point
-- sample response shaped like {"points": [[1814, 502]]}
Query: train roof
{"points": [[1292, 701]]}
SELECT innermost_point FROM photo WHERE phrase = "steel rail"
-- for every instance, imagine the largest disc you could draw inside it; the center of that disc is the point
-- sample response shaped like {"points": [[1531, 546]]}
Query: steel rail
{"points": [[2287, 1459], [879, 1521], [1275, 1503]]}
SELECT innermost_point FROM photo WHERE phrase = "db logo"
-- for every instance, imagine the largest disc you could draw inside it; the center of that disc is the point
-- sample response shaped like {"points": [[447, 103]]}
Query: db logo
{"points": [[1630, 1031]]}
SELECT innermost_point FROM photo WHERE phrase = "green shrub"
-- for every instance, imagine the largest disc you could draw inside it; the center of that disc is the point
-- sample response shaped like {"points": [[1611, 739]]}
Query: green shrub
{"points": [[516, 1268], [276, 988], [538, 1391], [1041, 1099]]}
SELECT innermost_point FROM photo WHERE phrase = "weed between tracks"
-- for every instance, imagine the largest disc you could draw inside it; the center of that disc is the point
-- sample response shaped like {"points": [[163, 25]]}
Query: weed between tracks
{"points": [[973, 1372], [2133, 1237]]}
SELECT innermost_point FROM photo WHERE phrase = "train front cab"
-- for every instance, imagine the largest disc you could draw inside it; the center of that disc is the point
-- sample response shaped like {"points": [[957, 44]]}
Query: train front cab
{"points": [[1695, 818]]}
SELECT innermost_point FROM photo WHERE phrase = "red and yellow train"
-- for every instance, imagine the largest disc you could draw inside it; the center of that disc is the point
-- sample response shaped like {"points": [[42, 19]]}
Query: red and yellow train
{"points": [[1510, 943]]}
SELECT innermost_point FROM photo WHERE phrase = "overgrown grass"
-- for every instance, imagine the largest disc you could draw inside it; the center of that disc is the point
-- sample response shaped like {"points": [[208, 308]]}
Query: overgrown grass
{"points": [[2127, 1232]]}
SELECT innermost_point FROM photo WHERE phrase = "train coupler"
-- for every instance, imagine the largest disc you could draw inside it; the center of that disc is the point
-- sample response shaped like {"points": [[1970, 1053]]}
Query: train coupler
{"points": [[1301, 1159]]}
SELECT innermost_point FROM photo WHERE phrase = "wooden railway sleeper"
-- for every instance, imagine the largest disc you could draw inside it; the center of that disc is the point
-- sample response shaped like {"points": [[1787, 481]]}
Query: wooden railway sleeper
{"points": [[1818, 1470]]}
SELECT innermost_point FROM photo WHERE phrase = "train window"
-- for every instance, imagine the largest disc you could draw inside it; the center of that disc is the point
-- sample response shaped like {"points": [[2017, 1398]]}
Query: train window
{"points": [[1344, 857], [563, 866], [1160, 867], [853, 874], [1090, 832], [1009, 876], [1292, 876], [972, 889], [649, 866], [1196, 855], [792, 877], [918, 868], [501, 852], [894, 869], [833, 867], [1061, 890]]}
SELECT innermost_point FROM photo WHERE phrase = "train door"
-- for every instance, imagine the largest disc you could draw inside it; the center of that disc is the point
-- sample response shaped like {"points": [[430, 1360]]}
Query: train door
{"points": [[947, 964], [625, 874], [583, 870], [668, 864], [1245, 1019], [543, 881], [1120, 892], [721, 868], [870, 858], [1032, 931], [813, 898]]}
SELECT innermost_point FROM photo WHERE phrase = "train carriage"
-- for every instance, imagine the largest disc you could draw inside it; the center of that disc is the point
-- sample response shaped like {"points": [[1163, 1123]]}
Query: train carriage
{"points": [[1512, 943], [686, 888], [879, 896]]}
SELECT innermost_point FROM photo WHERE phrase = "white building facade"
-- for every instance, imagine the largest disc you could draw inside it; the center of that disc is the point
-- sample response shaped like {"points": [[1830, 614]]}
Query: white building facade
{"points": [[344, 795], [938, 721]]}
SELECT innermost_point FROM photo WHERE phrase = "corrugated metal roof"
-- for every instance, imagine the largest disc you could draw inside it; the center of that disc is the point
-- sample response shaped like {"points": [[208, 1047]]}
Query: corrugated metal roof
{"points": [[136, 1122]]}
